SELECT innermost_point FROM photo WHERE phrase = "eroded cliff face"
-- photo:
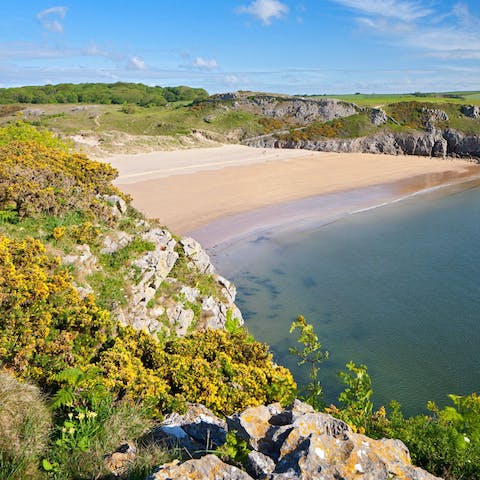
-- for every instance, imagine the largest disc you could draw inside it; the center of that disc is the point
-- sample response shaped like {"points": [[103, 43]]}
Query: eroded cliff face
{"points": [[171, 287], [432, 143]]}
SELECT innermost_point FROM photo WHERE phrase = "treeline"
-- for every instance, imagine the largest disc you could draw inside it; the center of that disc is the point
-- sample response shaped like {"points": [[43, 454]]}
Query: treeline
{"points": [[104, 93]]}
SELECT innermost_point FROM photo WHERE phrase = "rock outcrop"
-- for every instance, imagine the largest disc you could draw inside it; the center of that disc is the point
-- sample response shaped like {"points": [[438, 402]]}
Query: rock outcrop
{"points": [[286, 443], [431, 143], [471, 111], [297, 109]]}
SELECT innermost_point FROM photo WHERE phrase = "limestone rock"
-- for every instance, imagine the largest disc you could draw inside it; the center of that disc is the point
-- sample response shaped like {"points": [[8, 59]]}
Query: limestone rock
{"points": [[197, 430], [378, 117], [293, 443], [118, 462], [115, 241], [209, 467], [259, 465], [471, 111], [83, 259], [180, 318], [433, 115], [194, 252]]}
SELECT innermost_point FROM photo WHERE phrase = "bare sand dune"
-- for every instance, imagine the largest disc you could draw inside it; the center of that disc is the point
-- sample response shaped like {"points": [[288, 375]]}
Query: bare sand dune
{"points": [[188, 189]]}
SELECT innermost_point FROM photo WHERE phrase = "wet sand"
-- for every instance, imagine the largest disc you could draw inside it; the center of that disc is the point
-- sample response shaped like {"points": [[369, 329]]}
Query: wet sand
{"points": [[190, 189]]}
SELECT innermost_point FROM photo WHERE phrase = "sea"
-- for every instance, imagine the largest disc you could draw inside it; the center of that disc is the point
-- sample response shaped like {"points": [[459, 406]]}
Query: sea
{"points": [[395, 286]]}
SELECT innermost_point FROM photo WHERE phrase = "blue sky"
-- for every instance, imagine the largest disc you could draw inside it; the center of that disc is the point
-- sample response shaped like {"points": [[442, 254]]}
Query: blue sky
{"points": [[304, 46]]}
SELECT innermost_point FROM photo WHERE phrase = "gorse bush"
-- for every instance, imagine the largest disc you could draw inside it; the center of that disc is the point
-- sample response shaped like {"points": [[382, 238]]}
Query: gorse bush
{"points": [[47, 329], [24, 132], [25, 423], [45, 325], [36, 179]]}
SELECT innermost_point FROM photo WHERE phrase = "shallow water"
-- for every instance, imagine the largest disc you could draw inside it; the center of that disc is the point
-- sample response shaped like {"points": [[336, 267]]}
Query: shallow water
{"points": [[396, 288]]}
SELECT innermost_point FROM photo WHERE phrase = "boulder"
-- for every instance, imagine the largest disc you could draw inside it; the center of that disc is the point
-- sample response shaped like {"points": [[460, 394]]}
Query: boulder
{"points": [[82, 259], [119, 461], [293, 443], [197, 255], [198, 430], [209, 467], [378, 117], [471, 111]]}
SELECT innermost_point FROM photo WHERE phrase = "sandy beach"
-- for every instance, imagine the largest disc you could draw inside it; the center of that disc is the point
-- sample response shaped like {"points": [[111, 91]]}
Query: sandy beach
{"points": [[189, 189]]}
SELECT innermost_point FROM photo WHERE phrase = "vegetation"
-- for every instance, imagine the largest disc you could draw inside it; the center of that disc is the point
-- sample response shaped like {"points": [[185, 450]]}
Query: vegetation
{"points": [[373, 100], [25, 422], [101, 93], [107, 383], [99, 375], [445, 442]]}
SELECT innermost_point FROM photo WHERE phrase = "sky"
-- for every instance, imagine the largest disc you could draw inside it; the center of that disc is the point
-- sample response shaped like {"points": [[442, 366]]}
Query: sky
{"points": [[287, 46]]}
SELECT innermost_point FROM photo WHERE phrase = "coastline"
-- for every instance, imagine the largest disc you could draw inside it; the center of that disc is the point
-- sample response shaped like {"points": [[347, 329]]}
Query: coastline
{"points": [[222, 193]]}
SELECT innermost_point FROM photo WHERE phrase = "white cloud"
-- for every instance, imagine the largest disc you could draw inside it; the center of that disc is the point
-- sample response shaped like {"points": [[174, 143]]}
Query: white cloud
{"points": [[400, 9], [205, 64], [265, 10], [452, 34], [136, 63], [51, 18]]}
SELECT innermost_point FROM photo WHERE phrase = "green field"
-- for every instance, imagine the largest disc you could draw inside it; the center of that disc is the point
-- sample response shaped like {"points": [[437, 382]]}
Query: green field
{"points": [[373, 100]]}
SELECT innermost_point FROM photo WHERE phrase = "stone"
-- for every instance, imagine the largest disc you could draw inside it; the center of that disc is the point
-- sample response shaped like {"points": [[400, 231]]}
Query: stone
{"points": [[293, 443], [198, 430], [471, 111], [115, 241], [83, 259], [228, 289], [378, 117], [117, 202], [194, 252], [433, 115], [259, 465], [253, 423], [118, 462], [208, 467], [180, 318]]}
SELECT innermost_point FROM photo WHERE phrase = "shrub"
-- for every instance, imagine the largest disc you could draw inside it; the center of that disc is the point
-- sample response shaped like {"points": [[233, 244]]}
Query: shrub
{"points": [[37, 179], [45, 325], [24, 428], [446, 442]]}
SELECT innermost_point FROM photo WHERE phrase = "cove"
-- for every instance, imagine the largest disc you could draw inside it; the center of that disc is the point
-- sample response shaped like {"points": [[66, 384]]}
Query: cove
{"points": [[396, 288]]}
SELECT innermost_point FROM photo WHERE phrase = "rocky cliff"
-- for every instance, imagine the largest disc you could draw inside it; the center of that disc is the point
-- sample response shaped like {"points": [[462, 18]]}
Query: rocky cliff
{"points": [[297, 109], [432, 143]]}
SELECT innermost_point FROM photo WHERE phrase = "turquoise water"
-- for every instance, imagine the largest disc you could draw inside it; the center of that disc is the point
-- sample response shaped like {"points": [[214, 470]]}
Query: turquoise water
{"points": [[396, 288]]}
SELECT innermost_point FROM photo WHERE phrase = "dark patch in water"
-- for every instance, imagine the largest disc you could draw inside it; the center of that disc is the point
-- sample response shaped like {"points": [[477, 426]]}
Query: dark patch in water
{"points": [[278, 271], [309, 282]]}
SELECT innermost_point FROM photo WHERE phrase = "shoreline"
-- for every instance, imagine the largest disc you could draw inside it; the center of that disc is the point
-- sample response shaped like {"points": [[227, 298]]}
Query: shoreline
{"points": [[216, 194], [313, 212]]}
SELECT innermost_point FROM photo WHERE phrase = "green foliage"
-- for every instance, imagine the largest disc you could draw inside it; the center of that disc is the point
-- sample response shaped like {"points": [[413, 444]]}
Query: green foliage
{"points": [[24, 132], [313, 356], [445, 442], [116, 93], [235, 450], [25, 423], [356, 398]]}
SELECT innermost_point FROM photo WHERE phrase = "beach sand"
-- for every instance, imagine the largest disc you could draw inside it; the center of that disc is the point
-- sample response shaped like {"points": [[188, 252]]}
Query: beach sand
{"points": [[188, 189]]}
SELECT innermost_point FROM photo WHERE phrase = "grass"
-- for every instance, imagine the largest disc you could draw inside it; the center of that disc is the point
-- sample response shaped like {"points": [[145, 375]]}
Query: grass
{"points": [[373, 100], [25, 423]]}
